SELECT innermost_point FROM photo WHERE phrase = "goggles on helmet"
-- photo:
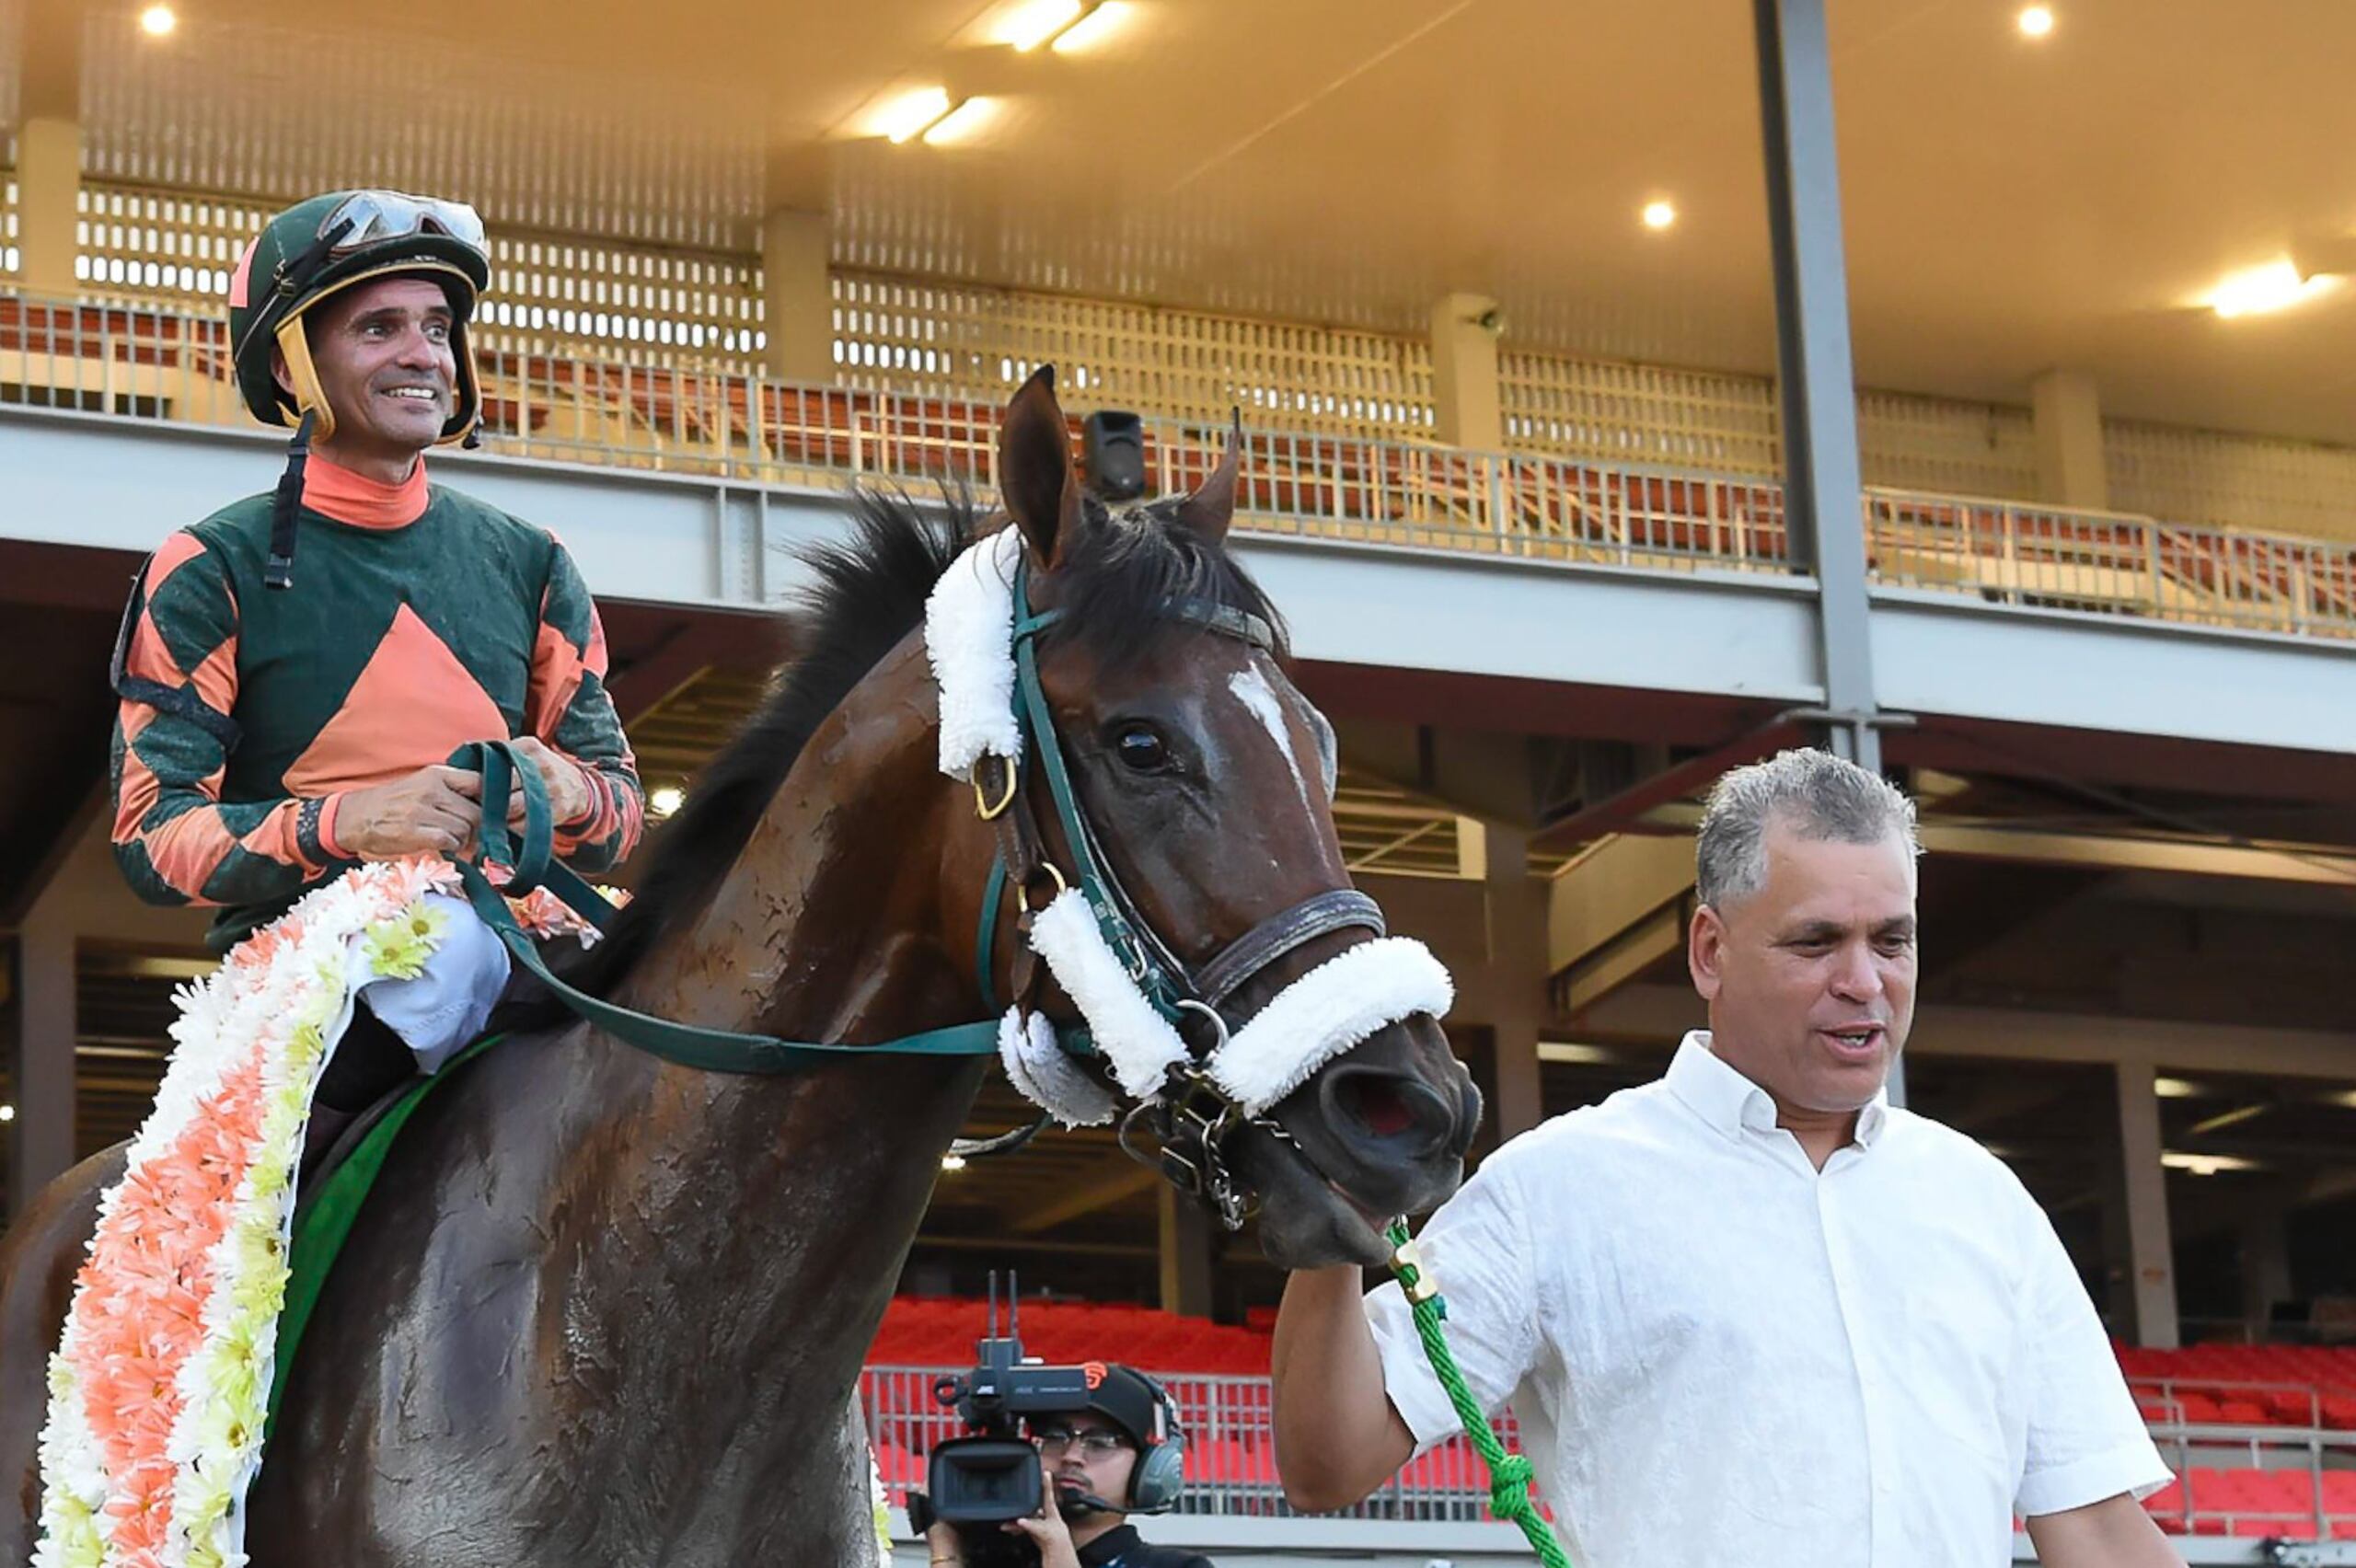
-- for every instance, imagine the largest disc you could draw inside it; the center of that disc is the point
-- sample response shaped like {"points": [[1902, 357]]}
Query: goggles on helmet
{"points": [[367, 217]]}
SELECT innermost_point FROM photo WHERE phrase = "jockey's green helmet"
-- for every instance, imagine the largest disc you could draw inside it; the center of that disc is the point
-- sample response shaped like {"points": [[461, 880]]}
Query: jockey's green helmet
{"points": [[318, 247]]}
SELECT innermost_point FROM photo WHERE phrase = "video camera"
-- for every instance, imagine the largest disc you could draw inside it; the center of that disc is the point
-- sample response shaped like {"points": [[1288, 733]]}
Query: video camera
{"points": [[979, 1482]]}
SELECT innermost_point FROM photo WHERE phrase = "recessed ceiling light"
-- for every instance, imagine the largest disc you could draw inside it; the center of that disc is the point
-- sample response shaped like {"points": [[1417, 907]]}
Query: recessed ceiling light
{"points": [[2036, 21], [1659, 215], [2275, 286], [912, 111], [7, 1113], [953, 1162], [2205, 1164], [960, 123], [157, 21], [666, 799], [1031, 23], [1095, 29]]}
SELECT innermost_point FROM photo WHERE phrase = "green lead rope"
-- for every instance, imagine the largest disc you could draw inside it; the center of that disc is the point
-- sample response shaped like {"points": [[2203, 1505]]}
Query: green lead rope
{"points": [[1510, 1474]]}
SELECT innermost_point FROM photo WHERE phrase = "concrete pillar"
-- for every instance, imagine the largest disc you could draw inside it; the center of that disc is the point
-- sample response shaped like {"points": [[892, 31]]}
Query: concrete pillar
{"points": [[2265, 1269], [2151, 1252], [1514, 909], [49, 146], [40, 1140], [797, 306], [1189, 1243], [2067, 414], [49, 191], [1464, 372]]}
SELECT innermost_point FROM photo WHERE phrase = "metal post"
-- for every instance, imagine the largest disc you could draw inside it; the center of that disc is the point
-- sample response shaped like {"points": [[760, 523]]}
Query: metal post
{"points": [[1824, 501]]}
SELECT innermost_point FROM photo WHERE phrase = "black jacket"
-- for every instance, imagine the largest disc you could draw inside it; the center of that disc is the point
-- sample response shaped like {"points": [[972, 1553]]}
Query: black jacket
{"points": [[1124, 1549]]}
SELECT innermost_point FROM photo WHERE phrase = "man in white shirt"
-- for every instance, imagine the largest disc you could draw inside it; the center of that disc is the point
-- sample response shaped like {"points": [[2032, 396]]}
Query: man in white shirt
{"points": [[1750, 1314]]}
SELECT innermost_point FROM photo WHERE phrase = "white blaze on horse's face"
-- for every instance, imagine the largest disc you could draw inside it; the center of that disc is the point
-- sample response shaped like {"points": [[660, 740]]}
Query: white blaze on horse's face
{"points": [[1259, 699]]}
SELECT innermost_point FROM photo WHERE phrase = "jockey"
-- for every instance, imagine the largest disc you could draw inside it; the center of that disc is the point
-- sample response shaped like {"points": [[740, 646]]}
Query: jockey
{"points": [[294, 668]]}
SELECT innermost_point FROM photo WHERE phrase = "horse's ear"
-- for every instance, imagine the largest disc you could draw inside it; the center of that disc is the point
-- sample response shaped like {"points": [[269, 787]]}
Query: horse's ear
{"points": [[1207, 512], [1034, 469]]}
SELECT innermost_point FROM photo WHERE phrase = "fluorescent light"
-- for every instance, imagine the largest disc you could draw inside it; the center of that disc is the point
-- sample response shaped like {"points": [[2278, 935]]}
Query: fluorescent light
{"points": [[157, 21], [911, 112], [1031, 23], [953, 1162], [1570, 1051], [1094, 29], [2275, 286], [2204, 1164], [2176, 1089], [1659, 215], [2036, 21], [666, 799], [960, 123]]}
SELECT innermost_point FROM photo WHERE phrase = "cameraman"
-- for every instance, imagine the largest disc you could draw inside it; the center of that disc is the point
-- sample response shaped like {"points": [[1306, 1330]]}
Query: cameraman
{"points": [[1090, 1461]]}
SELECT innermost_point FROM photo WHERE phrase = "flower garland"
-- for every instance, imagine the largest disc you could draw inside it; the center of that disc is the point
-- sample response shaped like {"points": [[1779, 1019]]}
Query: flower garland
{"points": [[158, 1387]]}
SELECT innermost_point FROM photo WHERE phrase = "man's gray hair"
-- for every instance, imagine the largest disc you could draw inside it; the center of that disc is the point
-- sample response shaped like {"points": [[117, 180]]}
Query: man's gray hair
{"points": [[1817, 795]]}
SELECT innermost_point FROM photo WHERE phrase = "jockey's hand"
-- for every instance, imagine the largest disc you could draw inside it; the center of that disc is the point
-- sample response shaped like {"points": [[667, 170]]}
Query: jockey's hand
{"points": [[568, 791], [434, 811]]}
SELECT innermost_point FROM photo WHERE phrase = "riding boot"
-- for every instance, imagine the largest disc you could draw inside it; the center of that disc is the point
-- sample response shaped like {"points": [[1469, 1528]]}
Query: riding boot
{"points": [[326, 1126]]}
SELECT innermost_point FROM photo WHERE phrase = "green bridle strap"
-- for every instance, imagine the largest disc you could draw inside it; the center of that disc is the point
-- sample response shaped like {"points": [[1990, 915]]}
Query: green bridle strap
{"points": [[985, 941], [1510, 1474], [691, 1045], [1159, 987]]}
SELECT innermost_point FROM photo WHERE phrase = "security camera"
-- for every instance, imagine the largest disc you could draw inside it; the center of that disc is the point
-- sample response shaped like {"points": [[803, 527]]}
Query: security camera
{"points": [[1492, 321]]}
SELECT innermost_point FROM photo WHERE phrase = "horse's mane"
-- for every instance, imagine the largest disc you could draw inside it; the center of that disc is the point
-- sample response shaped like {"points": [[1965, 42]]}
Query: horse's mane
{"points": [[868, 593]]}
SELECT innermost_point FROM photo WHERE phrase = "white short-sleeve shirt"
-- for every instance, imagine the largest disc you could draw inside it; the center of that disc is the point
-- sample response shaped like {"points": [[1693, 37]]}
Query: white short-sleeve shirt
{"points": [[1718, 1355]]}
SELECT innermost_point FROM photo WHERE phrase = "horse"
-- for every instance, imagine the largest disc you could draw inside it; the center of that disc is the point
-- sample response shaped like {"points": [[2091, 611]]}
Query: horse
{"points": [[602, 1307]]}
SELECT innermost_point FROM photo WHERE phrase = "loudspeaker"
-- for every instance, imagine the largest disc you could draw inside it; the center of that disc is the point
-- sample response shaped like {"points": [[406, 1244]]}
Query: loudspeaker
{"points": [[1113, 450]]}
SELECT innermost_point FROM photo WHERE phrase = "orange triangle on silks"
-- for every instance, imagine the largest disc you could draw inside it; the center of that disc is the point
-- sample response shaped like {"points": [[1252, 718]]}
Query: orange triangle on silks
{"points": [[411, 706]]}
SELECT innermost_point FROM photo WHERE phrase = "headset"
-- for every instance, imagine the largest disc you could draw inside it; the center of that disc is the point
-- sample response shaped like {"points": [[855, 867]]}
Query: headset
{"points": [[1160, 1471]]}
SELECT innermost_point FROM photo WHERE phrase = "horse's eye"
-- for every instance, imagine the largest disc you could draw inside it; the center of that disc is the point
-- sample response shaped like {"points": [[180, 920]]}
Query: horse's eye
{"points": [[1141, 749]]}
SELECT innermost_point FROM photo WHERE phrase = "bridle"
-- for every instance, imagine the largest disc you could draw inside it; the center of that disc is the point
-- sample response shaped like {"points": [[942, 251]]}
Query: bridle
{"points": [[1191, 1117]]}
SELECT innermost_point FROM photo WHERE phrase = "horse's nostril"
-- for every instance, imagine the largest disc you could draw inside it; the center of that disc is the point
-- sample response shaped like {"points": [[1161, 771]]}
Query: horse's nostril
{"points": [[1377, 1105], [1391, 1108]]}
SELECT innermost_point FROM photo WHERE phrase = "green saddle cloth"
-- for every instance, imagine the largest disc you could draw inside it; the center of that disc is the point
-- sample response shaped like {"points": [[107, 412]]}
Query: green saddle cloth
{"points": [[325, 1219]]}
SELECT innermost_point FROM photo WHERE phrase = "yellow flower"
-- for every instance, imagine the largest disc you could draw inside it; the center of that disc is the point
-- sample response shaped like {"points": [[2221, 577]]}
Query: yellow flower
{"points": [[398, 948]]}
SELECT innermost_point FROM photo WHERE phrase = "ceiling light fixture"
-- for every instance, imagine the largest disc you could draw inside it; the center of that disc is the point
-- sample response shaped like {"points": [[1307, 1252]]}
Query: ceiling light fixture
{"points": [[912, 113], [1028, 24], [7, 1113], [2176, 1089], [2205, 1164], [2036, 21], [953, 1162], [1659, 215], [1094, 27], [2261, 290], [665, 799], [157, 21], [960, 123]]}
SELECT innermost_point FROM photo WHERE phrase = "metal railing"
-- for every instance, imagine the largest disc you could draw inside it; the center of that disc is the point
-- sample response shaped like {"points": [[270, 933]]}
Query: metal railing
{"points": [[2111, 562], [706, 419], [2294, 1480]]}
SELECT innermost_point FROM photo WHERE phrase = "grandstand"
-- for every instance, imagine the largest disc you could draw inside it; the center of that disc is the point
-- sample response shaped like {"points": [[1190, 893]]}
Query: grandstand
{"points": [[1517, 469]]}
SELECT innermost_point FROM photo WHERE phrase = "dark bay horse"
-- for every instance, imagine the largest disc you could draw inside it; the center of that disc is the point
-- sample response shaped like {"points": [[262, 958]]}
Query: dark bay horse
{"points": [[603, 1309]]}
